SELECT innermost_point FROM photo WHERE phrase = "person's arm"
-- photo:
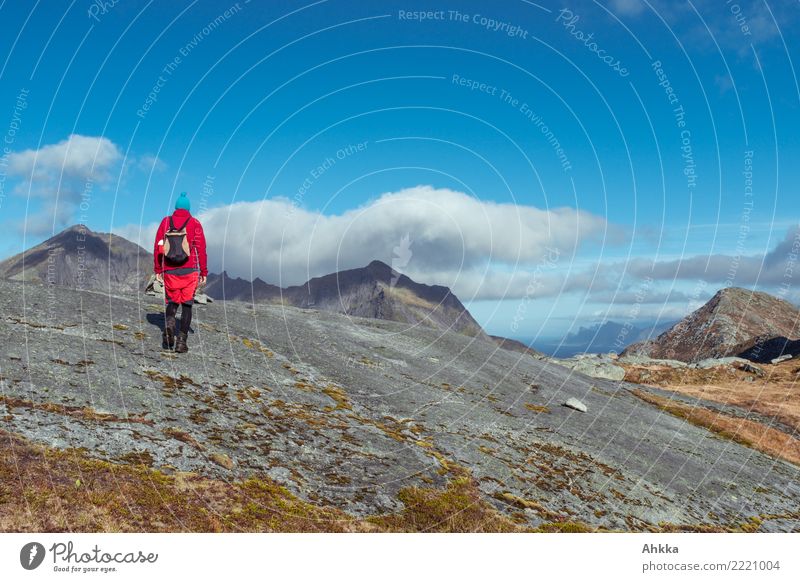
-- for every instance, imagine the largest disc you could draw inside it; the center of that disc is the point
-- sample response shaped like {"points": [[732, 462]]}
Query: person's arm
{"points": [[200, 246], [158, 250]]}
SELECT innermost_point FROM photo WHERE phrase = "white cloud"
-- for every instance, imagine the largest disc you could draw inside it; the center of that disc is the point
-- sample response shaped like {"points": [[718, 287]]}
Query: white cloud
{"points": [[628, 7], [642, 296], [646, 313], [60, 174], [733, 25], [149, 163], [78, 156], [479, 249], [779, 266]]}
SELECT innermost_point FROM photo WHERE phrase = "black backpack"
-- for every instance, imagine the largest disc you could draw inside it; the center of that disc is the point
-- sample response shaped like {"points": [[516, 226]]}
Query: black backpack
{"points": [[176, 244]]}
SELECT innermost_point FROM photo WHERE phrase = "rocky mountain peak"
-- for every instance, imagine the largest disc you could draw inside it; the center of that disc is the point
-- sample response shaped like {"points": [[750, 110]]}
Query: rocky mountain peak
{"points": [[80, 257], [733, 322], [380, 270]]}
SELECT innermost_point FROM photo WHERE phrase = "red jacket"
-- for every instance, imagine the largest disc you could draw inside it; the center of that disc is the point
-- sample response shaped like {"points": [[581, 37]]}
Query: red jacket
{"points": [[197, 243]]}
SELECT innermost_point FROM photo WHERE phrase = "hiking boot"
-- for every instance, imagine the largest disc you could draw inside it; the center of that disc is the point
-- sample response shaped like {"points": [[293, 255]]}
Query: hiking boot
{"points": [[180, 344]]}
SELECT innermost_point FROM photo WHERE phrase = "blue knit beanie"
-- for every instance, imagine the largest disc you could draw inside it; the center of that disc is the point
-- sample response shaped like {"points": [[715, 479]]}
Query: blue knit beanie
{"points": [[183, 202]]}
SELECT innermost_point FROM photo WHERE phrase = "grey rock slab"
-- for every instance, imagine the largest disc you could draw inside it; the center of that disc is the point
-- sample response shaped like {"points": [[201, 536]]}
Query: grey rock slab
{"points": [[350, 411]]}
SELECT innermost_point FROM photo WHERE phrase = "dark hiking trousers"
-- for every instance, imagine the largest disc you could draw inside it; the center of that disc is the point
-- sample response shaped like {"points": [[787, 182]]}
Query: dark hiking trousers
{"points": [[186, 315]]}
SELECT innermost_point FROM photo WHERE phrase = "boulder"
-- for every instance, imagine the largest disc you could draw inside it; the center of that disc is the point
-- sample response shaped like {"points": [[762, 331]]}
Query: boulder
{"points": [[605, 370], [752, 369], [709, 363], [639, 360], [575, 404], [593, 365], [601, 370]]}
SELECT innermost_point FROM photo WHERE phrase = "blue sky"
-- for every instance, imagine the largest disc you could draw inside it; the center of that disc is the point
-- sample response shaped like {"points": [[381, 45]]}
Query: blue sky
{"points": [[313, 136]]}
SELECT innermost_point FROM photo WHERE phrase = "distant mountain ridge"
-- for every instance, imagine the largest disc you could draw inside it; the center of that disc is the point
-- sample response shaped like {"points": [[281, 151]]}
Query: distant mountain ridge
{"points": [[734, 322], [614, 336], [81, 258], [376, 291], [605, 337], [223, 286]]}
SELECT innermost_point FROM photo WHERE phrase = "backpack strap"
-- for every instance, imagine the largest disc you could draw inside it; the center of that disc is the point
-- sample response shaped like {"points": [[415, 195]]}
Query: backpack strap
{"points": [[172, 224]]}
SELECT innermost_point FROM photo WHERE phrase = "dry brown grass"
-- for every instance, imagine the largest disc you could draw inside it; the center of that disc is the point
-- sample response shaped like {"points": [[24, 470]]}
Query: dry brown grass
{"points": [[747, 432], [407, 297], [459, 508], [83, 412], [776, 394], [43, 489], [537, 408]]}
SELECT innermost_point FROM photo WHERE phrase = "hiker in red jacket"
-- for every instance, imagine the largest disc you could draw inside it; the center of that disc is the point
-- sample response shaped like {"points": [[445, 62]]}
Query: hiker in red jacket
{"points": [[180, 262]]}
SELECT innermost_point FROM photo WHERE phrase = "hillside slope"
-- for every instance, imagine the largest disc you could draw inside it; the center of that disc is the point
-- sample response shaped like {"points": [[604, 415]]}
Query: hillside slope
{"points": [[359, 414], [224, 287]]}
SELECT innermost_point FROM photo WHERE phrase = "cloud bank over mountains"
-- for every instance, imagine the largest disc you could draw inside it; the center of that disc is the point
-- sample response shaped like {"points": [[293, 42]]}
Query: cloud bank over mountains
{"points": [[481, 249], [776, 267]]}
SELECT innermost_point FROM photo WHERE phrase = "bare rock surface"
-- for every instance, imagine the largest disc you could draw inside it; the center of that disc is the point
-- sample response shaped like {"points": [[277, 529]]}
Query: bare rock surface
{"points": [[348, 411]]}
